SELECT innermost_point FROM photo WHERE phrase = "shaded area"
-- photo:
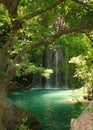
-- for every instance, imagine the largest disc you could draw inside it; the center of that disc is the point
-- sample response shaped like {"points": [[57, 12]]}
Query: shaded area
{"points": [[11, 122]]}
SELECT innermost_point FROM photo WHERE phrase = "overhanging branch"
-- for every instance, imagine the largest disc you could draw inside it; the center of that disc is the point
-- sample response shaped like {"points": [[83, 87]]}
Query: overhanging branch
{"points": [[63, 32], [38, 12], [53, 38]]}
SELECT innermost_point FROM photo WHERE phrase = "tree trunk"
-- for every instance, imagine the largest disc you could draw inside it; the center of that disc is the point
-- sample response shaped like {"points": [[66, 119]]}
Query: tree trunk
{"points": [[10, 115], [4, 84], [3, 108]]}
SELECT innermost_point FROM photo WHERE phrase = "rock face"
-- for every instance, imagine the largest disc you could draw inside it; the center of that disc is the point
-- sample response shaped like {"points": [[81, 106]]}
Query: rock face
{"points": [[14, 115], [85, 120]]}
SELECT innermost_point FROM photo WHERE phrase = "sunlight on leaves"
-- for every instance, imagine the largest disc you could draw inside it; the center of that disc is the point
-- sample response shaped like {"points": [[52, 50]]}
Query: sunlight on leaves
{"points": [[47, 73]]}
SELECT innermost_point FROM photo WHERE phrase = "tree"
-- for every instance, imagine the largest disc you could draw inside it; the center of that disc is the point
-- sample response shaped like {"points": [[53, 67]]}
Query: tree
{"points": [[24, 19], [84, 70]]}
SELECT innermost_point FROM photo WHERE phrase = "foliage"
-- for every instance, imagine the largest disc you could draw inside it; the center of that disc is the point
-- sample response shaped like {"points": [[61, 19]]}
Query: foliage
{"points": [[23, 125], [27, 67], [81, 67], [84, 71], [79, 12], [47, 73], [4, 33], [26, 23]]}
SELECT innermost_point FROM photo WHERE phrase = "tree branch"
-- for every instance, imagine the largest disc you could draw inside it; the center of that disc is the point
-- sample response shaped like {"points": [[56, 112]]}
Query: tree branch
{"points": [[18, 57], [63, 32], [11, 6], [3, 2], [78, 2], [88, 36], [53, 38], [38, 12]]}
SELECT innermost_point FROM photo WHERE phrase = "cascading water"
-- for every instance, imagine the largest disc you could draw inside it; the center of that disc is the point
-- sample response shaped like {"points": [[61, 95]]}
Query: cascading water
{"points": [[48, 64], [58, 63], [57, 60], [67, 70], [56, 68]]}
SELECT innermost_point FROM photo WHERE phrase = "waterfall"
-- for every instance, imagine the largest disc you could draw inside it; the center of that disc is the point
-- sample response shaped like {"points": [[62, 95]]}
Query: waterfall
{"points": [[67, 69], [56, 67], [57, 60], [48, 64]]}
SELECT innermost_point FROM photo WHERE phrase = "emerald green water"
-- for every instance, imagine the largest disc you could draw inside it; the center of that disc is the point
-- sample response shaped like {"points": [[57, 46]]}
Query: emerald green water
{"points": [[54, 108]]}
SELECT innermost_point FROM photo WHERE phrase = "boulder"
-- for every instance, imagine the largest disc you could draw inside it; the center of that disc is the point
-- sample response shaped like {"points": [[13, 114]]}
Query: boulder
{"points": [[14, 116], [85, 120]]}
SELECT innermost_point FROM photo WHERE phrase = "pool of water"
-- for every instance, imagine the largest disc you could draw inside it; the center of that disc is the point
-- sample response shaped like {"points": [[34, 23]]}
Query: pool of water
{"points": [[54, 108]]}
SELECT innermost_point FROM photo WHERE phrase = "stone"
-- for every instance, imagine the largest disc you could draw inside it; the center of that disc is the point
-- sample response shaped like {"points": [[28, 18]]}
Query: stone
{"points": [[14, 115], [85, 120]]}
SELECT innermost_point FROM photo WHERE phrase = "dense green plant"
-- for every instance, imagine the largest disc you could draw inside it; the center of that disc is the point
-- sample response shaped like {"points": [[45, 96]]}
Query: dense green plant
{"points": [[23, 125], [84, 71]]}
